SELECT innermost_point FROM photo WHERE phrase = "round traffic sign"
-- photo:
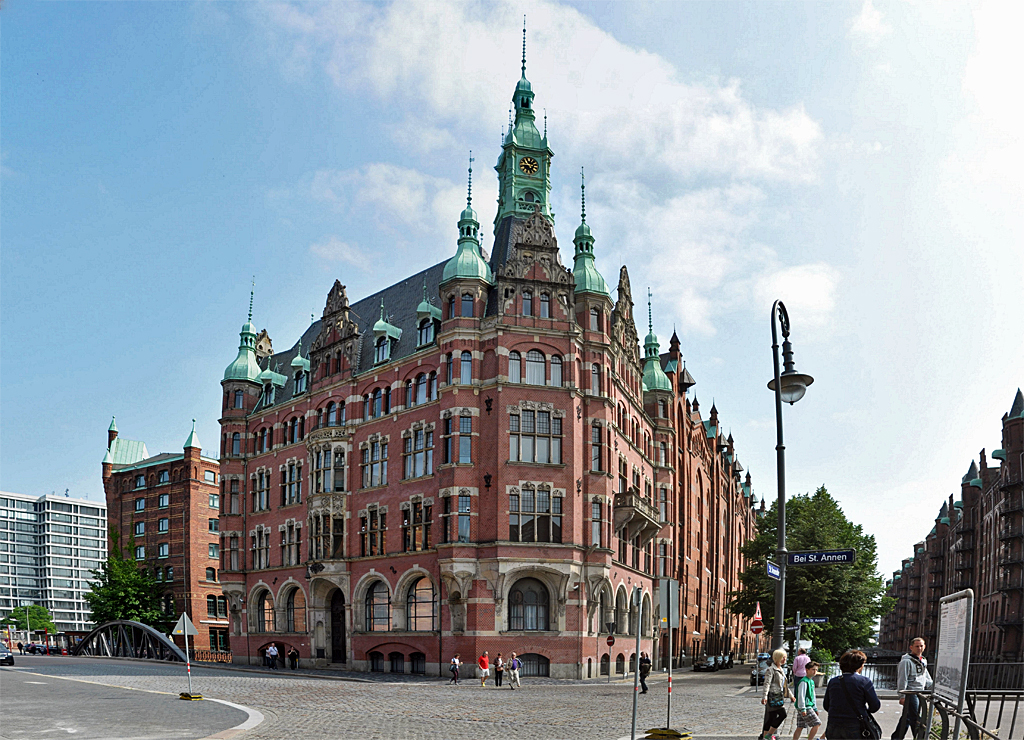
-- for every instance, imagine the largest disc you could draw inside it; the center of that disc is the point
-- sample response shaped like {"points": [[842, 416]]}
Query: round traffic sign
{"points": [[757, 628], [610, 640]]}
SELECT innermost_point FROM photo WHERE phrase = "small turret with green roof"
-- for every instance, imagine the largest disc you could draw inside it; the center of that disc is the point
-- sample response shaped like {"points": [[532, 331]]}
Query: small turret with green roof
{"points": [[468, 262], [654, 377], [245, 366], [584, 271], [193, 438]]}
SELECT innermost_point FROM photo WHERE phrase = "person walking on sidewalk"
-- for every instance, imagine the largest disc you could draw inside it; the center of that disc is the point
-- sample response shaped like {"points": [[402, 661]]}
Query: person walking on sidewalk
{"points": [[293, 659], [514, 665], [806, 711], [499, 670], [272, 656], [776, 691], [483, 662], [645, 671], [849, 697], [800, 664], [911, 675], [454, 668]]}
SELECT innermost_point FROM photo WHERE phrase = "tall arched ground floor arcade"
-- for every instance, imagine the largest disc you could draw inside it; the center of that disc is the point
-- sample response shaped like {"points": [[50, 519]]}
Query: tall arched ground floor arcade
{"points": [[411, 613]]}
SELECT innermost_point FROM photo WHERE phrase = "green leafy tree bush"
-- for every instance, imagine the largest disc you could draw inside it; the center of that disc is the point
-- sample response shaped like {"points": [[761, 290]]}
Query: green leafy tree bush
{"points": [[123, 590], [34, 616]]}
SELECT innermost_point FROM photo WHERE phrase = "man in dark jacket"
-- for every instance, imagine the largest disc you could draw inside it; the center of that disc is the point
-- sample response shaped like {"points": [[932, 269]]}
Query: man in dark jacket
{"points": [[848, 697], [645, 671]]}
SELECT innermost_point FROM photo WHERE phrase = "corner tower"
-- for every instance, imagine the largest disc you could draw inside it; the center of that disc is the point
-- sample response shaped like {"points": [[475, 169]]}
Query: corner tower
{"points": [[524, 166]]}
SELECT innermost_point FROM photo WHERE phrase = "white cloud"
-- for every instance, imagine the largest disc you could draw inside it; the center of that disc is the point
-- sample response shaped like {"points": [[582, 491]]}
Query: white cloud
{"points": [[869, 27], [809, 291], [678, 170], [334, 249]]}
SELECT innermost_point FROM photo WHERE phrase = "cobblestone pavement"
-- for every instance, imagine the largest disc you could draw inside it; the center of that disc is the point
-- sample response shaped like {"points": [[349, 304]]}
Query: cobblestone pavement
{"points": [[302, 706]]}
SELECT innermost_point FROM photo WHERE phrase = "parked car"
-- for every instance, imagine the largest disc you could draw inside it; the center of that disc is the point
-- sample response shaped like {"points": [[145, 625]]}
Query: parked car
{"points": [[708, 664], [758, 671], [719, 662], [6, 656]]}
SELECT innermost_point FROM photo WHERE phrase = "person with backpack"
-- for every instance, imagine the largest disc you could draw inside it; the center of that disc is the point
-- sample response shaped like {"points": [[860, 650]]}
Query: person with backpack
{"points": [[911, 675], [514, 666], [806, 711], [776, 691], [645, 671], [453, 667]]}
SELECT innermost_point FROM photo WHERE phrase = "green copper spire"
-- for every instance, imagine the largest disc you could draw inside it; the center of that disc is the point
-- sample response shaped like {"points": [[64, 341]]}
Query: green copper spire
{"points": [[654, 377], [245, 366], [113, 426], [468, 261], [193, 438], [584, 272]]}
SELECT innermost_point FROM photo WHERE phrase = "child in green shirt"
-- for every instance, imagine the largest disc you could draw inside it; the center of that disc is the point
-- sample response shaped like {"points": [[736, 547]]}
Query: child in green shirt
{"points": [[806, 714]]}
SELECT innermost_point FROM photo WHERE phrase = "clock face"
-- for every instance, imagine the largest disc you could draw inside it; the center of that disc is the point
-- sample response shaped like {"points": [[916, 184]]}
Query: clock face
{"points": [[528, 165]]}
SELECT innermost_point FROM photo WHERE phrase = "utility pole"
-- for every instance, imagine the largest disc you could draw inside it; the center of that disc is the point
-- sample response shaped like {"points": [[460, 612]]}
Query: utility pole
{"points": [[636, 658]]}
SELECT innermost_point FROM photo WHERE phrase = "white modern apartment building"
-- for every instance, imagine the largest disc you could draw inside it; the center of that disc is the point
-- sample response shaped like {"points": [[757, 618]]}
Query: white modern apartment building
{"points": [[48, 545]]}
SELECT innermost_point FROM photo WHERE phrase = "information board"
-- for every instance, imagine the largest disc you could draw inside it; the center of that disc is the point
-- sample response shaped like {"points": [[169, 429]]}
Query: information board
{"points": [[954, 646]]}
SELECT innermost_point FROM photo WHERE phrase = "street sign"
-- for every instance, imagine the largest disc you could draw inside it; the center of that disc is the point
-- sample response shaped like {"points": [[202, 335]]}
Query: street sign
{"points": [[821, 557], [26, 603], [757, 613], [668, 601], [773, 570], [611, 627], [184, 626], [815, 620], [791, 627], [757, 627], [610, 641]]}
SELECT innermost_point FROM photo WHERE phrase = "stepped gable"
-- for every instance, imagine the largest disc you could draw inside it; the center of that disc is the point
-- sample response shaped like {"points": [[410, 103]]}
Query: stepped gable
{"points": [[623, 326]]}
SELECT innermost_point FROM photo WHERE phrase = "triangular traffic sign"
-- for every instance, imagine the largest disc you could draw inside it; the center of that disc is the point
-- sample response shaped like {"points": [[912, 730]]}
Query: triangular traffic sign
{"points": [[757, 612], [184, 626]]}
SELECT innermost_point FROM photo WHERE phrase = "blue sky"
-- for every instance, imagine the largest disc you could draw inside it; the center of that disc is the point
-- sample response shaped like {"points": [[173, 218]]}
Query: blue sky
{"points": [[861, 161]]}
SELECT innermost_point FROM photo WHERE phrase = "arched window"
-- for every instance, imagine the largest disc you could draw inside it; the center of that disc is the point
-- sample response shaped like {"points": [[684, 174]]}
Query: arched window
{"points": [[451, 307], [382, 350], [378, 608], [420, 606], [515, 367], [341, 412], [466, 369], [535, 367], [535, 665], [410, 399], [239, 399], [296, 611], [421, 388], [595, 380], [545, 306], [332, 414], [605, 664], [432, 390], [222, 607], [556, 371], [527, 303], [620, 664], [467, 305], [449, 370], [425, 335], [337, 362], [211, 606], [265, 613], [378, 403], [236, 444], [595, 319], [319, 418], [528, 605]]}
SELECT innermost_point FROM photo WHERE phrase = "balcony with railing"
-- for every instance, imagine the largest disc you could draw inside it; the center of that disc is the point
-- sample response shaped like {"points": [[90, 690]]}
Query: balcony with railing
{"points": [[1011, 532], [1011, 558], [635, 516], [1013, 582], [964, 564], [1012, 503]]}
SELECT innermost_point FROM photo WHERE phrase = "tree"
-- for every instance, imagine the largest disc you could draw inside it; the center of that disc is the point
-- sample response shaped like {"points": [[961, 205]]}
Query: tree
{"points": [[851, 596], [123, 590], [38, 618]]}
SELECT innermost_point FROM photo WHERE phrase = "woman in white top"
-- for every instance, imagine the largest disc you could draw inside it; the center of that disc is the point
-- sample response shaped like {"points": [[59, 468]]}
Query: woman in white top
{"points": [[454, 668]]}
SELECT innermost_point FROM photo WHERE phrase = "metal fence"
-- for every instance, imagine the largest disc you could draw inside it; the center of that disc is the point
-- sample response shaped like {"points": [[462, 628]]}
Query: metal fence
{"points": [[210, 656], [984, 677]]}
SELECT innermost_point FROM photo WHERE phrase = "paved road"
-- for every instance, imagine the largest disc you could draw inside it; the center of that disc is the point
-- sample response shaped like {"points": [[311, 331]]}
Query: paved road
{"points": [[37, 706], [301, 706]]}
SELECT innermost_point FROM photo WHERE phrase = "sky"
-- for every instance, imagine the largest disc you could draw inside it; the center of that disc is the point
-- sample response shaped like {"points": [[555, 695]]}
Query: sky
{"points": [[862, 161]]}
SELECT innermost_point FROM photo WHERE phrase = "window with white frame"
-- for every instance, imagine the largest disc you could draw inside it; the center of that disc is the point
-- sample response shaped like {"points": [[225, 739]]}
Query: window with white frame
{"points": [[425, 333], [465, 439], [163, 500], [556, 371], [292, 484], [213, 525], [163, 525], [214, 501], [239, 399], [594, 319], [527, 303], [375, 464], [213, 550], [164, 476], [535, 367], [596, 523], [419, 453], [140, 481], [515, 367], [261, 548], [535, 516], [163, 550], [465, 503], [140, 552], [466, 369], [372, 533], [234, 504], [416, 527], [261, 491], [234, 560], [382, 350], [291, 544], [534, 436], [140, 504], [596, 453], [595, 380], [663, 503], [140, 529], [545, 306]]}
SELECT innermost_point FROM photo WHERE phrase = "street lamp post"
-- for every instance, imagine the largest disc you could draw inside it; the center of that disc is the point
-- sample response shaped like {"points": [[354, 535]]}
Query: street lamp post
{"points": [[789, 386]]}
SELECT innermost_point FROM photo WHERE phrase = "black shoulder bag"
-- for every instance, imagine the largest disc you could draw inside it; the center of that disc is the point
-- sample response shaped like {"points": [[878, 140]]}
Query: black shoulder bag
{"points": [[869, 729]]}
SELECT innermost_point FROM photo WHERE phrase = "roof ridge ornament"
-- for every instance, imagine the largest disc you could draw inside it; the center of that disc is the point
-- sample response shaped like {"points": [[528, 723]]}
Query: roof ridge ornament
{"points": [[469, 192], [650, 316], [252, 294], [524, 45], [583, 189]]}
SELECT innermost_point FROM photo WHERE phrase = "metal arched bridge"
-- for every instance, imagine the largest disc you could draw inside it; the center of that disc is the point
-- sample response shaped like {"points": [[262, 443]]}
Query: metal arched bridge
{"points": [[125, 639]]}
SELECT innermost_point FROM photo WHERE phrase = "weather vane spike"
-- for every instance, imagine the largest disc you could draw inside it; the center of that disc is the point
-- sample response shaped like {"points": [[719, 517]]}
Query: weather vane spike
{"points": [[469, 192], [545, 123], [382, 309], [583, 196], [252, 292], [524, 46], [650, 317]]}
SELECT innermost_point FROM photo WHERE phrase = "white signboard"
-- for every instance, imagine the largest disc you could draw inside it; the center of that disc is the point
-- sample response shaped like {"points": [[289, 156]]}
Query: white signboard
{"points": [[954, 648]]}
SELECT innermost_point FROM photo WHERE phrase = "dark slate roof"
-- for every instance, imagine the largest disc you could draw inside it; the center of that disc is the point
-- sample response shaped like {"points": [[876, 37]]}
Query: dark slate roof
{"points": [[499, 255], [400, 302], [972, 473], [1018, 405]]}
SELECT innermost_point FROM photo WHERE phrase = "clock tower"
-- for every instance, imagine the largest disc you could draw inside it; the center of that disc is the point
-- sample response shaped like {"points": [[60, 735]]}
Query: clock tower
{"points": [[524, 167]]}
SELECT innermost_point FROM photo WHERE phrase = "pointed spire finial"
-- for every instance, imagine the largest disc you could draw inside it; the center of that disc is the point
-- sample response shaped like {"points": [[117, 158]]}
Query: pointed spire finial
{"points": [[312, 317], [583, 196], [382, 309], [252, 293], [510, 117], [545, 123], [524, 46], [193, 425], [650, 316], [469, 192]]}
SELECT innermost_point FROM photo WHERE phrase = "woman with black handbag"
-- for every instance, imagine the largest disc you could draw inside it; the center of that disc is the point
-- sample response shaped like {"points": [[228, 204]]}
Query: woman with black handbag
{"points": [[850, 700], [776, 691]]}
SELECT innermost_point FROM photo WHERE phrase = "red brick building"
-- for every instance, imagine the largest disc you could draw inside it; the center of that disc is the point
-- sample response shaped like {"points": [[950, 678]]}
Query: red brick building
{"points": [[477, 457], [977, 542], [169, 506]]}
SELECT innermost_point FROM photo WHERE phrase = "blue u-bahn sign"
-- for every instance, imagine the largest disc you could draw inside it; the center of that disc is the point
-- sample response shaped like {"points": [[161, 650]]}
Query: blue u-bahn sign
{"points": [[822, 557], [773, 570]]}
